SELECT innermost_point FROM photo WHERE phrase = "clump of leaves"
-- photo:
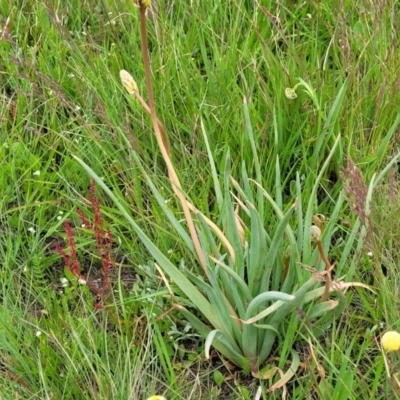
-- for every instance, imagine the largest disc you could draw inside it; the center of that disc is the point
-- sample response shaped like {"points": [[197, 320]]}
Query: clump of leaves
{"points": [[258, 284]]}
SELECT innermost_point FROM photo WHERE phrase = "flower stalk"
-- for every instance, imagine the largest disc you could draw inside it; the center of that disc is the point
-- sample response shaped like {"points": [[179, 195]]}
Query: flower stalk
{"points": [[316, 234], [175, 183]]}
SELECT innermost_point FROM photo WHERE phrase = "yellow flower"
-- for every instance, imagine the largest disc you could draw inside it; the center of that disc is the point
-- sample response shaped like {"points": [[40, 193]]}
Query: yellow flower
{"points": [[391, 341], [156, 398]]}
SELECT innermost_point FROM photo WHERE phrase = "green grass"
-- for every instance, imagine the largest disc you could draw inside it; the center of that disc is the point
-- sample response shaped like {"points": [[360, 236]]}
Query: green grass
{"points": [[61, 96]]}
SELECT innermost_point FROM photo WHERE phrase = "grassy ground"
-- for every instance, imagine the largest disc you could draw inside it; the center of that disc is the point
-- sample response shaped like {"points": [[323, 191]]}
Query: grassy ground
{"points": [[61, 95]]}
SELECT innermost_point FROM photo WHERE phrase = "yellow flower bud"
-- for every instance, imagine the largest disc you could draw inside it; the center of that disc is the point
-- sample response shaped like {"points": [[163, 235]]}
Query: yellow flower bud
{"points": [[391, 341], [146, 3], [315, 233], [290, 93], [128, 82]]}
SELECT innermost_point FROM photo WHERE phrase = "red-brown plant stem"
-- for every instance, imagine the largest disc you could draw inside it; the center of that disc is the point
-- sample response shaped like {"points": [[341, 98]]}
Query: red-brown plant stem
{"points": [[70, 260], [104, 241]]}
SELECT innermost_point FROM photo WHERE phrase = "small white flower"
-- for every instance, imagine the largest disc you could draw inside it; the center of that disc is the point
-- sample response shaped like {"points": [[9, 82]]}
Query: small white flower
{"points": [[170, 251], [38, 333], [64, 282], [36, 173], [59, 218], [31, 229], [71, 75], [82, 281], [77, 108], [83, 226], [370, 254], [61, 212]]}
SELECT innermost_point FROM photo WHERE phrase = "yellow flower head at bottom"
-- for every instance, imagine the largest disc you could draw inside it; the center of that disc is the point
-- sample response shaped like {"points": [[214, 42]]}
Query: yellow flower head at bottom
{"points": [[391, 341], [156, 398]]}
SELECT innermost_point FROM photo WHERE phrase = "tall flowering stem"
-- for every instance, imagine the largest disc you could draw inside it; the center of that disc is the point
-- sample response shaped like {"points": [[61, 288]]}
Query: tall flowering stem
{"points": [[162, 140]]}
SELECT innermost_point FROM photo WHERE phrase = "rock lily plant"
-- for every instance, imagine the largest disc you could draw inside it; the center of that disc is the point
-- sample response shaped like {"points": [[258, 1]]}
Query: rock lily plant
{"points": [[249, 290]]}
